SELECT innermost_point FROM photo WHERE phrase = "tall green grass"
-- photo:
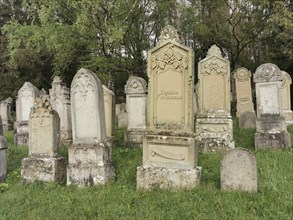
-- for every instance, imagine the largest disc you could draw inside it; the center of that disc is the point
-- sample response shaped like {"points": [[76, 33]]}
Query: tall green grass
{"points": [[120, 199]]}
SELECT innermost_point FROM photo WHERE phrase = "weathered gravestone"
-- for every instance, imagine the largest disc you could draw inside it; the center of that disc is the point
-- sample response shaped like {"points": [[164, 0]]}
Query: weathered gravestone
{"points": [[286, 97], [5, 113], [44, 162], [24, 102], [90, 159], [3, 158], [214, 126], [243, 91], [169, 148], [271, 130], [109, 104], [239, 171], [122, 116], [60, 101], [1, 126], [247, 120], [136, 98]]}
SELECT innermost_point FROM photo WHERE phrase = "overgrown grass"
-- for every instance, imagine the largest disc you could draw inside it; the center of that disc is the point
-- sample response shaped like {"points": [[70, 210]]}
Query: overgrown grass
{"points": [[120, 199]]}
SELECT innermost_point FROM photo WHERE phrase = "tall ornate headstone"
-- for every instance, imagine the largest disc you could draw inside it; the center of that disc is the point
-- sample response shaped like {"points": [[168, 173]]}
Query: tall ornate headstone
{"points": [[90, 159], [24, 102], [44, 162], [109, 104], [286, 97], [214, 126], [5, 113], [271, 129], [60, 101], [243, 91], [169, 149], [136, 99]]}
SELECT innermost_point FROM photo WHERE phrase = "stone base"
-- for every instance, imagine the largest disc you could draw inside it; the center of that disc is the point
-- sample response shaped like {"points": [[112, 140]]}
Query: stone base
{"points": [[134, 137], [89, 174], [46, 169], [167, 178], [277, 140], [21, 139], [214, 134]]}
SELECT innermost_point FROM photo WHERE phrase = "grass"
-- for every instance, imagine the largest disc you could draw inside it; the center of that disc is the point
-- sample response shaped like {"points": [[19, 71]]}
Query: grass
{"points": [[120, 199]]}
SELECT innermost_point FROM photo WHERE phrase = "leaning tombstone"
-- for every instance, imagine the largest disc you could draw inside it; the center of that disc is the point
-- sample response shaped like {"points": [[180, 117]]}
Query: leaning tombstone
{"points": [[60, 101], [44, 162], [3, 158], [169, 148], [286, 97], [90, 159], [136, 98], [24, 102], [239, 171], [214, 125], [243, 91], [271, 129], [5, 113], [109, 104]]}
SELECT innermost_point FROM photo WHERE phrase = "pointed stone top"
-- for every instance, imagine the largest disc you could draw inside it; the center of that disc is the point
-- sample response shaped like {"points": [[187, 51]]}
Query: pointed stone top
{"points": [[57, 79], [214, 51], [169, 33]]}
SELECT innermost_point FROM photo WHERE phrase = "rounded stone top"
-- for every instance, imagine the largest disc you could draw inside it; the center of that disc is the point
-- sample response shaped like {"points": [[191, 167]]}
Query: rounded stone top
{"points": [[169, 33], [57, 79], [214, 51], [136, 85], [286, 78], [242, 73], [267, 72]]}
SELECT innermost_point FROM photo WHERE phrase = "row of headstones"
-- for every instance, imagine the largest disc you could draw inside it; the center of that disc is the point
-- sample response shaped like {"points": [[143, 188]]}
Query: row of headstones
{"points": [[59, 98]]}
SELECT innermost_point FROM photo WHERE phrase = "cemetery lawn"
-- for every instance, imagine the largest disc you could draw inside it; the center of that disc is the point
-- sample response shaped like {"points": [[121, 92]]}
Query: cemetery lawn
{"points": [[120, 199]]}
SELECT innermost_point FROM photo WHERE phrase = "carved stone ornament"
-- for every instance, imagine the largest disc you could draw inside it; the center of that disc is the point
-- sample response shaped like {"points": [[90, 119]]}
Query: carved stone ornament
{"points": [[169, 58], [83, 84], [214, 66], [267, 72], [286, 79], [42, 104], [57, 80], [242, 74], [169, 33], [136, 85], [214, 51]]}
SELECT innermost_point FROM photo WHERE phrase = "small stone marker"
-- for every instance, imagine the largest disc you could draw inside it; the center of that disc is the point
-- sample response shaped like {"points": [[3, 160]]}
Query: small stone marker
{"points": [[5, 113], [247, 120], [286, 81], [109, 104], [239, 171], [44, 162], [3, 158]]}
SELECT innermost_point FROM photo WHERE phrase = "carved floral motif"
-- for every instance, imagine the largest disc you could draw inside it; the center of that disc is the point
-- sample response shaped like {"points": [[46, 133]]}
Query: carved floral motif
{"points": [[169, 58], [242, 74], [169, 33], [214, 66], [267, 72], [135, 85]]}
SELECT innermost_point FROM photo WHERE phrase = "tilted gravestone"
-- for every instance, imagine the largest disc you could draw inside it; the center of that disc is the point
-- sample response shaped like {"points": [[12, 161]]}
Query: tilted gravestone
{"points": [[44, 162], [90, 159], [136, 99], [5, 113], [214, 125], [243, 91], [239, 171], [286, 81], [271, 129], [60, 101], [24, 102], [3, 158], [109, 104], [169, 149]]}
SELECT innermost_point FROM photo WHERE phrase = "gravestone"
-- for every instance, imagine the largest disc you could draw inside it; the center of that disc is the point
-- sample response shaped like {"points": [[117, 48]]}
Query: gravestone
{"points": [[1, 126], [44, 162], [90, 159], [3, 158], [136, 98], [24, 102], [117, 109], [122, 116], [271, 129], [169, 148], [243, 91], [5, 113], [247, 120], [109, 104], [239, 171], [286, 97], [214, 125], [60, 101]]}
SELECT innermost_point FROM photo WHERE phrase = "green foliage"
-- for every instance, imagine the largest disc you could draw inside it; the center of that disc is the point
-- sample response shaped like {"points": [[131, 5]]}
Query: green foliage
{"points": [[121, 200]]}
